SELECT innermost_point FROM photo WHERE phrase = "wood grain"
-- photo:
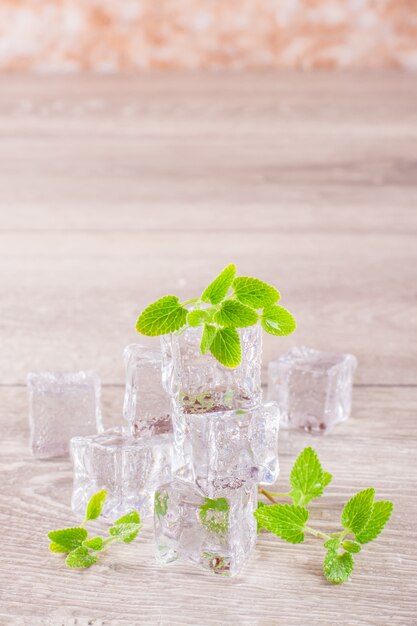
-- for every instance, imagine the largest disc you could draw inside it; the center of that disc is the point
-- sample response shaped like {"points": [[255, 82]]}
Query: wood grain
{"points": [[116, 191]]}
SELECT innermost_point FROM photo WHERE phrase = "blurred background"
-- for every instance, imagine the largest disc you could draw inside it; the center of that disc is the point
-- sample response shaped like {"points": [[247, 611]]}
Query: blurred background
{"points": [[129, 35], [145, 145]]}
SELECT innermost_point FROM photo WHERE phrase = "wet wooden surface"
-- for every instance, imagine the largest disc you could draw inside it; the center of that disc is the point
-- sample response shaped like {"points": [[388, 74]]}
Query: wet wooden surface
{"points": [[114, 192]]}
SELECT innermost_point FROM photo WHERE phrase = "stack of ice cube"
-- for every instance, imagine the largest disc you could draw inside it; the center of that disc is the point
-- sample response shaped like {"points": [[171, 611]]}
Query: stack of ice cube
{"points": [[226, 443]]}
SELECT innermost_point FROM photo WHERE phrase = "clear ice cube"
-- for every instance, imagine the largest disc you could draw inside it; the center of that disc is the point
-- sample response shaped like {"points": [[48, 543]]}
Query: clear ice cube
{"points": [[147, 407], [62, 405], [313, 388], [217, 448], [199, 383], [130, 469], [216, 535]]}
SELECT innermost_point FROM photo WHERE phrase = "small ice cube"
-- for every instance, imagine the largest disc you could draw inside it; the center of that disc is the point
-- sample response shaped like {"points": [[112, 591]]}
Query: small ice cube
{"points": [[223, 446], [146, 408], [129, 469], [216, 535], [313, 389], [62, 405]]}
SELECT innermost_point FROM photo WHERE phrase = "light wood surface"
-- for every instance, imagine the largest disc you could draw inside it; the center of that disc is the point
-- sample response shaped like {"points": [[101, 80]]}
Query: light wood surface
{"points": [[114, 191]]}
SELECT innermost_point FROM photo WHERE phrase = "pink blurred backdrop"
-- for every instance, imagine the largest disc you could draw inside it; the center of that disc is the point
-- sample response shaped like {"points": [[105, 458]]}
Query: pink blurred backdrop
{"points": [[124, 35]]}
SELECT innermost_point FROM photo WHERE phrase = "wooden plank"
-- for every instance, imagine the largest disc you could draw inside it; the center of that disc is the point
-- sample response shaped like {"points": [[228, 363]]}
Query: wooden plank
{"points": [[71, 300], [280, 583]]}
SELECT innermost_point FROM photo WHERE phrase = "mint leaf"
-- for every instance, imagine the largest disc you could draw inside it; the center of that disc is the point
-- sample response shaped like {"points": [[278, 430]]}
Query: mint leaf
{"points": [[380, 514], [125, 532], [235, 314], [260, 505], [95, 505], [276, 320], [225, 347], [127, 527], [55, 547], [81, 558], [214, 515], [95, 543], [358, 510], [166, 315], [254, 292], [337, 567], [327, 478], [132, 517], [351, 546], [209, 333], [217, 290], [285, 520], [333, 544], [307, 478], [160, 504], [197, 317], [67, 538]]}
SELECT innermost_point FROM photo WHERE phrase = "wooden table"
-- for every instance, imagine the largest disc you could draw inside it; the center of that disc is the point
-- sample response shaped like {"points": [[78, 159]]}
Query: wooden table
{"points": [[115, 191]]}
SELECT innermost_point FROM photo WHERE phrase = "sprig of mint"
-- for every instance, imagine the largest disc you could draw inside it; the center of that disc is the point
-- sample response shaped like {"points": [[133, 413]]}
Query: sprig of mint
{"points": [[362, 518], [82, 550], [228, 303]]}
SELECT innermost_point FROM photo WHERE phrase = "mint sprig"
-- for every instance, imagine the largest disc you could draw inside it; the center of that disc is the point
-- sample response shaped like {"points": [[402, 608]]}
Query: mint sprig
{"points": [[228, 303], [362, 518], [82, 550]]}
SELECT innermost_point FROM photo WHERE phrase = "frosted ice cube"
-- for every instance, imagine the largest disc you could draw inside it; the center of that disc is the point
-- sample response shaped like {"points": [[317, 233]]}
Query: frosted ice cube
{"points": [[224, 446], [216, 535], [313, 389], [62, 405], [199, 383], [129, 469], [147, 407]]}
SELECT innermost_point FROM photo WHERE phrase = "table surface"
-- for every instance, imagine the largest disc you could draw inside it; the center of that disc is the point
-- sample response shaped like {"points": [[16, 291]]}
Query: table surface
{"points": [[115, 191]]}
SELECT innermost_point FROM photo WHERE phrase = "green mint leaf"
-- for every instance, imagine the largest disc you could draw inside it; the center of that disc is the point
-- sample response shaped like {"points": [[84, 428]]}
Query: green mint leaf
{"points": [[381, 512], [209, 333], [68, 538], [127, 527], [214, 515], [307, 478], [217, 290], [95, 505], [197, 317], [81, 558], [225, 347], [333, 544], [95, 543], [337, 567], [166, 315], [351, 546], [254, 292], [160, 504], [260, 505], [233, 313], [327, 478], [132, 517], [276, 320], [358, 510], [285, 520], [56, 547]]}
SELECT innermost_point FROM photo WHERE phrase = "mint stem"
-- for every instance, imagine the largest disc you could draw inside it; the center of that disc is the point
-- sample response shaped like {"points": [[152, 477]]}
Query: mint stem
{"points": [[267, 495], [190, 301], [317, 533], [272, 494]]}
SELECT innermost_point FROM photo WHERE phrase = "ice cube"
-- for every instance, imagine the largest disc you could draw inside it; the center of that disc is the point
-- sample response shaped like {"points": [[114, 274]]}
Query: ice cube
{"points": [[216, 535], [147, 408], [199, 383], [313, 388], [62, 405], [129, 469], [228, 445]]}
